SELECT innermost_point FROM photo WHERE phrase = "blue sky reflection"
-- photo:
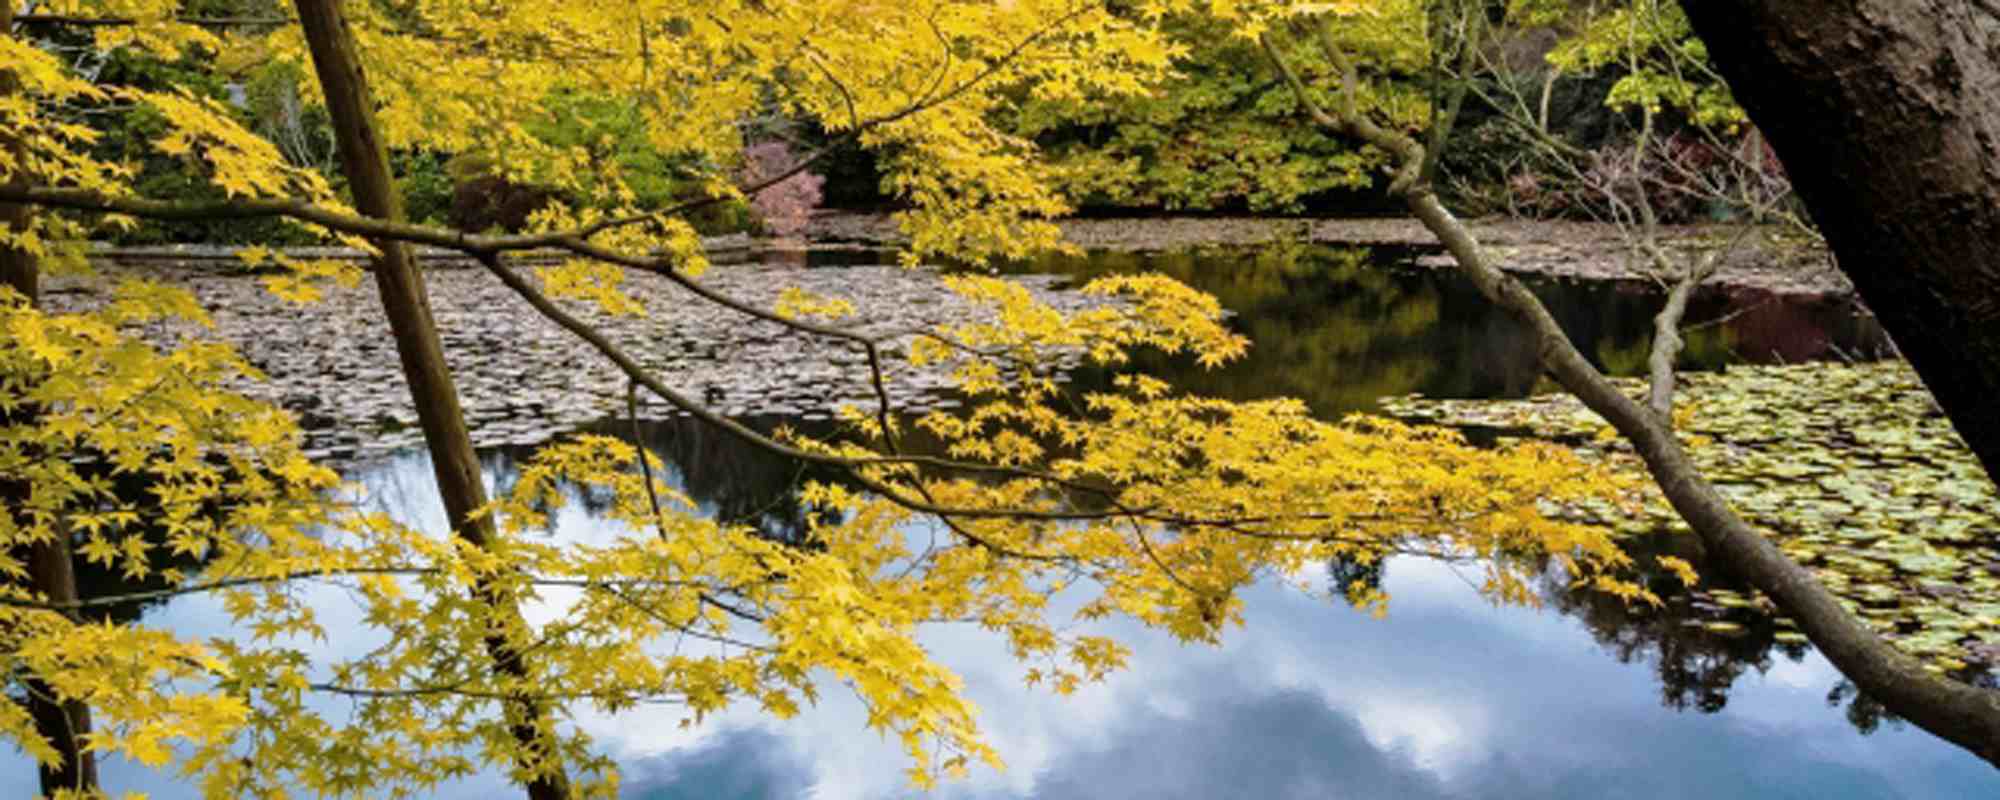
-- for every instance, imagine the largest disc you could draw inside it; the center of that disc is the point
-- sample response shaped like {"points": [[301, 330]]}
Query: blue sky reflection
{"points": [[1450, 697]]}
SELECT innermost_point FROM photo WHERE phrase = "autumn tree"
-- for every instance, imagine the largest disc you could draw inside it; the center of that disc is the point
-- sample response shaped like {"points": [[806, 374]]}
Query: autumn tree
{"points": [[1155, 505], [1337, 99]]}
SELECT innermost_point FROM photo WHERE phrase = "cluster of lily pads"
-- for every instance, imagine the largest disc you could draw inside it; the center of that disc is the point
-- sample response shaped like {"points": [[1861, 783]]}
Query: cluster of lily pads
{"points": [[1851, 469]]}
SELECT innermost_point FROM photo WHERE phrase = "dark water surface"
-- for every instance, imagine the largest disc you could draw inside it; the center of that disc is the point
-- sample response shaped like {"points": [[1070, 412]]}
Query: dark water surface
{"points": [[1449, 697], [1340, 327]]}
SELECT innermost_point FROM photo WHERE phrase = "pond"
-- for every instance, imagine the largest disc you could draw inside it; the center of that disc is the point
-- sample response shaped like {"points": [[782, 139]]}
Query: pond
{"points": [[1449, 697]]}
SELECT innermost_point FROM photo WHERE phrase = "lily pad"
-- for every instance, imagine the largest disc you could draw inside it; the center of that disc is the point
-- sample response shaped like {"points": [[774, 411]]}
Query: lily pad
{"points": [[1846, 467]]}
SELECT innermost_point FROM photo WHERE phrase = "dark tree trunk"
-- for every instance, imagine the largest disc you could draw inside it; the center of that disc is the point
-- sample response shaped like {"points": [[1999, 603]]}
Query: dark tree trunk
{"points": [[455, 464], [65, 723], [1886, 114]]}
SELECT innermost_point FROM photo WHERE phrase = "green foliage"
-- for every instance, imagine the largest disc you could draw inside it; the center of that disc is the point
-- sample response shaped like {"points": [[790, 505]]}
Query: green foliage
{"points": [[604, 135], [611, 132], [126, 134], [1662, 65], [425, 183], [1221, 132]]}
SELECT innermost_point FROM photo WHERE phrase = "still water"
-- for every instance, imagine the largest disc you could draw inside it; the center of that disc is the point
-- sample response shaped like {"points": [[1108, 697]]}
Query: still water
{"points": [[1341, 327], [1449, 697]]}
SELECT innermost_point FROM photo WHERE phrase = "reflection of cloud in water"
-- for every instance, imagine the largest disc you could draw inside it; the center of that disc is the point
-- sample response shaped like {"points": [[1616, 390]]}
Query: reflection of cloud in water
{"points": [[1448, 698], [1240, 741], [1277, 745], [1243, 742], [737, 764]]}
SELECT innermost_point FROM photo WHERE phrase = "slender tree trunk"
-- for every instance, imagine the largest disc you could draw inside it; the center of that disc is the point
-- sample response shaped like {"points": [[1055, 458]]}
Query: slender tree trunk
{"points": [[64, 723], [1965, 715], [365, 162], [1886, 114]]}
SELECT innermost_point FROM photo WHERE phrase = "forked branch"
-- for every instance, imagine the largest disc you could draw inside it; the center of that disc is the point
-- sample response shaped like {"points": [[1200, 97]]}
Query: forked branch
{"points": [[1965, 715]]}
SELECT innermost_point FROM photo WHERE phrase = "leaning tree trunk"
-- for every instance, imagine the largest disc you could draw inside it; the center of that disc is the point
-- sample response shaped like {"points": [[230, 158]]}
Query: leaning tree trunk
{"points": [[64, 723], [1886, 114], [366, 164], [1963, 714]]}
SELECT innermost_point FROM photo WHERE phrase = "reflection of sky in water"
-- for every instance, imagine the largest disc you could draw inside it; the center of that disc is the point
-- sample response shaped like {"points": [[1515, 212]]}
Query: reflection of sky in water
{"points": [[1448, 698]]}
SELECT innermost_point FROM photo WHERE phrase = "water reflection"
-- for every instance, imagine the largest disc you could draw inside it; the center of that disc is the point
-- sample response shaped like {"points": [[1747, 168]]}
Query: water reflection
{"points": [[1449, 698], [1340, 327], [1697, 662]]}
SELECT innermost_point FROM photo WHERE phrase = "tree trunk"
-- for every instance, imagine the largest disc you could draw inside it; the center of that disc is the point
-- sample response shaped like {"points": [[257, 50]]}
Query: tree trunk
{"points": [[1962, 714], [1886, 114], [366, 164], [64, 723], [1965, 715]]}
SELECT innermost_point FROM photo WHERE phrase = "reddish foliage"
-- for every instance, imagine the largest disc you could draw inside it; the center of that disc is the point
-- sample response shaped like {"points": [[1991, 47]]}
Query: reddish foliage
{"points": [[784, 208]]}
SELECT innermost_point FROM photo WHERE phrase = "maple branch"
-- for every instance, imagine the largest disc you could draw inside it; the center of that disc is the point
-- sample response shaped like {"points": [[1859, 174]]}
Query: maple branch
{"points": [[856, 466], [122, 22], [245, 208], [458, 689], [220, 584], [486, 249], [852, 135]]}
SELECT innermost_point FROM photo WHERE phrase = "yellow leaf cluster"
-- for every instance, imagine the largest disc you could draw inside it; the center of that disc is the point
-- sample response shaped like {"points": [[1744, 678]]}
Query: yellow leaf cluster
{"points": [[1149, 504]]}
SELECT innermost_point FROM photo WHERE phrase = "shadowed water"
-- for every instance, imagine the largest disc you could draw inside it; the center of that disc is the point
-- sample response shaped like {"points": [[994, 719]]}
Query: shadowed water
{"points": [[1341, 327]]}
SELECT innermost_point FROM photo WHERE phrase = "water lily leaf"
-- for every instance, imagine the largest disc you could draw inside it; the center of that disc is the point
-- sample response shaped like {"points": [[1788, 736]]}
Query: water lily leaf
{"points": [[1845, 467]]}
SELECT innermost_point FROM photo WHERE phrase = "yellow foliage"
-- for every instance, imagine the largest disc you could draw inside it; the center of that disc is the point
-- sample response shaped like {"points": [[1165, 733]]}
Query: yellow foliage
{"points": [[1155, 505]]}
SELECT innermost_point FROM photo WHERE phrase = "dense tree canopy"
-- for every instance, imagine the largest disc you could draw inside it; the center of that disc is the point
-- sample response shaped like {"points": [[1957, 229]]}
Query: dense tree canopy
{"points": [[327, 121], [481, 645]]}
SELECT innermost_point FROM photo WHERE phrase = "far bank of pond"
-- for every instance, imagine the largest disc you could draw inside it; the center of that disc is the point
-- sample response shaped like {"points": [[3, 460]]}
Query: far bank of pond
{"points": [[1773, 260]]}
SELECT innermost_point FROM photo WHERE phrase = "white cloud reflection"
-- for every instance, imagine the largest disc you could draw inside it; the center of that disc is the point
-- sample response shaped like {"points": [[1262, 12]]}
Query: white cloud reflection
{"points": [[1449, 697]]}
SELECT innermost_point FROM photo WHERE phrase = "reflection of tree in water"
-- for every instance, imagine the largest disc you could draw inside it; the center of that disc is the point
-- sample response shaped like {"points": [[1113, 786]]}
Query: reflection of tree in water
{"points": [[1696, 662], [1866, 713], [1698, 646], [94, 581], [1342, 575], [737, 483], [1340, 327]]}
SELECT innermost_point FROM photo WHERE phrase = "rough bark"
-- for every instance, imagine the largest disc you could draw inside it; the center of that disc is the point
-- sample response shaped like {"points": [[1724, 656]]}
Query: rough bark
{"points": [[1886, 115], [454, 462], [64, 723]]}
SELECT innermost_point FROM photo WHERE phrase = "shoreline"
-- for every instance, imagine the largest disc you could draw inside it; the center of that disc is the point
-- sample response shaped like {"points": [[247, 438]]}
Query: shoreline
{"points": [[1559, 249], [1763, 261]]}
